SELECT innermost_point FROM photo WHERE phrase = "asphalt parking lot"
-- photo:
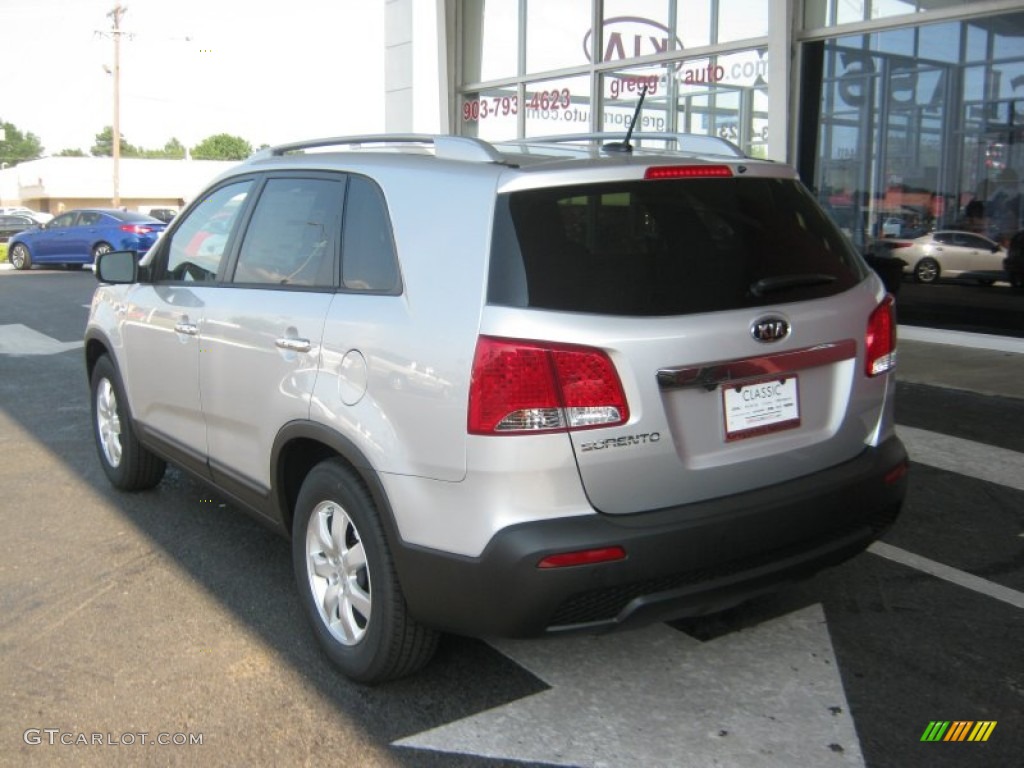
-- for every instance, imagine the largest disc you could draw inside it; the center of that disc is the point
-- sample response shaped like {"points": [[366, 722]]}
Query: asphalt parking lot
{"points": [[163, 627]]}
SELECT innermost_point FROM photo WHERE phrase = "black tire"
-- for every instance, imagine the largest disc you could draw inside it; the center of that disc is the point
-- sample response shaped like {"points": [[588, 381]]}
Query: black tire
{"points": [[100, 248], [347, 581], [986, 282], [927, 271], [127, 464], [20, 257]]}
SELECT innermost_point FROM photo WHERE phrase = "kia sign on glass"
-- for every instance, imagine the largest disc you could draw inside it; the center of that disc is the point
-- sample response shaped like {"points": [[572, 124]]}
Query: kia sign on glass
{"points": [[629, 37], [624, 39]]}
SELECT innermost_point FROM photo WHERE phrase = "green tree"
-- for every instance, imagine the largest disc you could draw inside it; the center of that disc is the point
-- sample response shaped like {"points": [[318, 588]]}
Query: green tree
{"points": [[16, 146], [71, 153], [222, 146], [173, 150], [104, 146]]}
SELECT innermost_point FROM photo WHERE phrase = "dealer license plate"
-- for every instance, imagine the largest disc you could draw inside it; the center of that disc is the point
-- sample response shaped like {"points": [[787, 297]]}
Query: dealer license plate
{"points": [[759, 407]]}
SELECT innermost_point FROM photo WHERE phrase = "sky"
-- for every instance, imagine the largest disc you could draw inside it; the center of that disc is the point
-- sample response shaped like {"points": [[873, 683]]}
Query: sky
{"points": [[193, 68]]}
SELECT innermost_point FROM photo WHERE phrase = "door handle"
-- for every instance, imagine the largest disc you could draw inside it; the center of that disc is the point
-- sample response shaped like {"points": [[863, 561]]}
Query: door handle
{"points": [[294, 345], [189, 329]]}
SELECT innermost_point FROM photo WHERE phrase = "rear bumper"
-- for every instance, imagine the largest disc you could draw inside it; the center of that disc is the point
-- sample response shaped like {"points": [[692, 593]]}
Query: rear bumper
{"points": [[686, 561]]}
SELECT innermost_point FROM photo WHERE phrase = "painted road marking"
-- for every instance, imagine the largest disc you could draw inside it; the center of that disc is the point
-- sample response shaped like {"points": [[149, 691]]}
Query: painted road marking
{"points": [[961, 339], [965, 457], [19, 339], [953, 575], [766, 697]]}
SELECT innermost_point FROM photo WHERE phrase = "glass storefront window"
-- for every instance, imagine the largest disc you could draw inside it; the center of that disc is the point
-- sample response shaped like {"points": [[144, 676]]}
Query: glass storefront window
{"points": [[726, 96], [638, 27], [742, 20], [490, 40], [831, 13], [913, 139], [694, 23], [555, 107], [621, 91], [491, 115], [555, 32]]}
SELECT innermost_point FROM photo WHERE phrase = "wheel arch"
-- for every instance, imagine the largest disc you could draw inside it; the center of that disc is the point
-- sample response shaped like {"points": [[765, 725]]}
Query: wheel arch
{"points": [[300, 446]]}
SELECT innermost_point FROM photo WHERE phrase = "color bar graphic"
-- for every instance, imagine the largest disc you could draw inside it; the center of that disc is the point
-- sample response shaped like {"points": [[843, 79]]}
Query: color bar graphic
{"points": [[958, 730]]}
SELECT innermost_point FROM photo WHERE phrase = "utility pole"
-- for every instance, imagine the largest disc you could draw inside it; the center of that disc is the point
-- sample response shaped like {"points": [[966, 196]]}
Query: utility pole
{"points": [[115, 33]]}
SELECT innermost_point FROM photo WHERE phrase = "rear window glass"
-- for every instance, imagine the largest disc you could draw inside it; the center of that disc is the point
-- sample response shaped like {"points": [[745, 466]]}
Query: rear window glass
{"points": [[667, 247]]}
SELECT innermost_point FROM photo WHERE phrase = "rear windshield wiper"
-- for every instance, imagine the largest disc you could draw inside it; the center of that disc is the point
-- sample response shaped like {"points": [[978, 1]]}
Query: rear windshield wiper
{"points": [[785, 282]]}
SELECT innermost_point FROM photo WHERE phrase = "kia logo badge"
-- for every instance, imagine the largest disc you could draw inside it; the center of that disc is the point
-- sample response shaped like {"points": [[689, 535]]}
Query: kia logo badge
{"points": [[771, 328]]}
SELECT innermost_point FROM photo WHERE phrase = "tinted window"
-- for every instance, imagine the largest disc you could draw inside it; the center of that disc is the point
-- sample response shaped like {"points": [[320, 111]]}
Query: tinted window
{"points": [[368, 260], [667, 247], [89, 219], [291, 237], [64, 220], [197, 247]]}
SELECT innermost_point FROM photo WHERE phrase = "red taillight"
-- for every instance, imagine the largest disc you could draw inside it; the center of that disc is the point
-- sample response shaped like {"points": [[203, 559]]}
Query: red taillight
{"points": [[522, 387], [880, 339], [136, 229], [898, 244], [661, 172], [583, 557]]}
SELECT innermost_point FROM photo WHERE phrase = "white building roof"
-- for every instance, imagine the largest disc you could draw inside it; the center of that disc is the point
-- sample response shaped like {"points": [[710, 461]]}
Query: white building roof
{"points": [[92, 177]]}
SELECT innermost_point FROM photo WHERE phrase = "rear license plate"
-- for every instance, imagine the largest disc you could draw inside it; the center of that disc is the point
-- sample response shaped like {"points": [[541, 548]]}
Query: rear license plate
{"points": [[760, 407]]}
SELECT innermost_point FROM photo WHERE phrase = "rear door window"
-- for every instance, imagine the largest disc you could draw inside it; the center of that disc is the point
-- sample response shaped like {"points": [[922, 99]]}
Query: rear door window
{"points": [[671, 247]]}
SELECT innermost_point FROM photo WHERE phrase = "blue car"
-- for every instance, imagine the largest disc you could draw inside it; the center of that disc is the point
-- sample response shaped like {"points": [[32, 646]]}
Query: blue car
{"points": [[78, 237]]}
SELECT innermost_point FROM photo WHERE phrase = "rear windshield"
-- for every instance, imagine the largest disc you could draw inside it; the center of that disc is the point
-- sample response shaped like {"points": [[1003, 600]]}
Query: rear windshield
{"points": [[671, 247]]}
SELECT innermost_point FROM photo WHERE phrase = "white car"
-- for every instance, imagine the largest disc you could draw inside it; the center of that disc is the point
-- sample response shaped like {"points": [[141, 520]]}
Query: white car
{"points": [[20, 210], [951, 254]]}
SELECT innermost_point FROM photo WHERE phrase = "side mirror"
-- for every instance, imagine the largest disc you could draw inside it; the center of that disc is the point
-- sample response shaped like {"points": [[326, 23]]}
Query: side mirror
{"points": [[119, 267]]}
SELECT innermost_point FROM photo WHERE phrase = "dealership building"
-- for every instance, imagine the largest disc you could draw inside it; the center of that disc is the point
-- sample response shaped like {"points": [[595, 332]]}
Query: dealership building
{"points": [[898, 113]]}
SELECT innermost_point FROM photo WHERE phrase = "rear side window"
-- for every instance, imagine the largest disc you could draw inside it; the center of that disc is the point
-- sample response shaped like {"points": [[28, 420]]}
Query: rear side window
{"points": [[368, 261], [672, 247]]}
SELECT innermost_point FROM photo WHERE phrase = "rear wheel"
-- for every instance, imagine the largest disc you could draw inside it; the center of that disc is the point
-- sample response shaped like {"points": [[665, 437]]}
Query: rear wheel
{"points": [[101, 248], [926, 271], [347, 581], [20, 257], [127, 464]]}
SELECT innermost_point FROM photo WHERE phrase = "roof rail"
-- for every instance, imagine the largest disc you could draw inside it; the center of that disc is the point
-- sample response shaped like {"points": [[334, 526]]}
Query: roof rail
{"points": [[464, 148], [685, 142]]}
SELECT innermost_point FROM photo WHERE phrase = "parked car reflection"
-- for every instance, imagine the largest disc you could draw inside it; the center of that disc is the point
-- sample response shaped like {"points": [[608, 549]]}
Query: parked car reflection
{"points": [[14, 223], [950, 254]]}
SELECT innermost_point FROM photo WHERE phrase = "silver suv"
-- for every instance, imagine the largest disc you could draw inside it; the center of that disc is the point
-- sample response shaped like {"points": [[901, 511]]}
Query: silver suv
{"points": [[512, 389]]}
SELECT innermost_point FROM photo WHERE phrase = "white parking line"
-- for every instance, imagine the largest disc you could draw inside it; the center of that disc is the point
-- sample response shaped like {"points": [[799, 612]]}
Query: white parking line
{"points": [[952, 575], [965, 457], [961, 339]]}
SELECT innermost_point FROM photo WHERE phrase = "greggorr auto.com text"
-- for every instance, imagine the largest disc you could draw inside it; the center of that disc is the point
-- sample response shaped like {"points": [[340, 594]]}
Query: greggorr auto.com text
{"points": [[57, 737], [611, 119]]}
